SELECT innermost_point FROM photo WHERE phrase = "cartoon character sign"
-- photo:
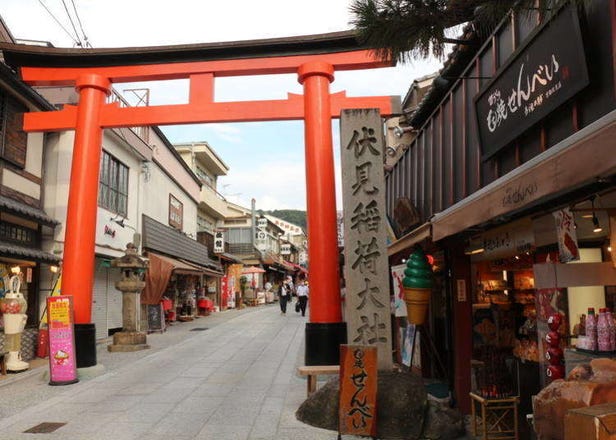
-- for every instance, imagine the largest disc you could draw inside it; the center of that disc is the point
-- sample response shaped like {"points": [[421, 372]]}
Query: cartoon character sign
{"points": [[397, 273]]}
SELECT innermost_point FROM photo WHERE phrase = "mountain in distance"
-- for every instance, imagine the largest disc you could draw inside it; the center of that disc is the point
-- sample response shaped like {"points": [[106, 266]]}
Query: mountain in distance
{"points": [[294, 216]]}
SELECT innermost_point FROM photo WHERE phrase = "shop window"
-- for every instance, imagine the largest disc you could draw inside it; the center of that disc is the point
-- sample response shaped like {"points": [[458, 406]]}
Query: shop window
{"points": [[13, 140], [504, 324], [113, 185]]}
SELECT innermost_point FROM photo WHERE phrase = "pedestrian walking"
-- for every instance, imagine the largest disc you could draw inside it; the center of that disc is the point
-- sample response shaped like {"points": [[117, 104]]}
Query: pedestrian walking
{"points": [[302, 296], [290, 285], [284, 296]]}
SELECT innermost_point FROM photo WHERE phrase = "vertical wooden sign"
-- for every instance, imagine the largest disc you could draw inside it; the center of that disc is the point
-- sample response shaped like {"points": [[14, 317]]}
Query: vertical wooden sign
{"points": [[358, 387], [62, 362], [366, 269]]}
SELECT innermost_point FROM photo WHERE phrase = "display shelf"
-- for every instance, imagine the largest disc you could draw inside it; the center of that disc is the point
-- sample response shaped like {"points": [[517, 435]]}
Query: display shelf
{"points": [[610, 353], [497, 418]]}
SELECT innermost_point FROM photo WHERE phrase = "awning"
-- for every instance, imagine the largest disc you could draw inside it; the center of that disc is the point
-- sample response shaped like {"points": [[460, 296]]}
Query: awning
{"points": [[205, 270], [578, 160], [24, 210], [417, 235], [297, 267], [179, 266], [230, 257], [187, 268], [22, 253], [161, 238], [252, 269]]}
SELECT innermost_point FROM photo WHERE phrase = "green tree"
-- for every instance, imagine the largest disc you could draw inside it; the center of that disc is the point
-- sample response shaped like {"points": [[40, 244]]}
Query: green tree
{"points": [[404, 30], [294, 216]]}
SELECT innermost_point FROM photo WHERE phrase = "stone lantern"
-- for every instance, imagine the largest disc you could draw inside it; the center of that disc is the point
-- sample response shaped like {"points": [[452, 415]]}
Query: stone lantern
{"points": [[133, 268]]}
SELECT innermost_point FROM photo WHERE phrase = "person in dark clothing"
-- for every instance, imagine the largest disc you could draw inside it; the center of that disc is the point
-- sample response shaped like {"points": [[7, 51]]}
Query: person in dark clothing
{"points": [[284, 296]]}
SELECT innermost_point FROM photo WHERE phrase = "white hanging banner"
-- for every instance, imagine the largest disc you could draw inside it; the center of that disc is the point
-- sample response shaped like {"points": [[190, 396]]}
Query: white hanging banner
{"points": [[219, 242], [567, 238]]}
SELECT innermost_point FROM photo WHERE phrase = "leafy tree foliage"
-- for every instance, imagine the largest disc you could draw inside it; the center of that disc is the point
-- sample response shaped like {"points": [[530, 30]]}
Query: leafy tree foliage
{"points": [[413, 29], [294, 216]]}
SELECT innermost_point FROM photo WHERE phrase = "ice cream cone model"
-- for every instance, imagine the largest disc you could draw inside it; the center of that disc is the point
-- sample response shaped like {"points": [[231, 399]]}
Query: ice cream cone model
{"points": [[417, 285]]}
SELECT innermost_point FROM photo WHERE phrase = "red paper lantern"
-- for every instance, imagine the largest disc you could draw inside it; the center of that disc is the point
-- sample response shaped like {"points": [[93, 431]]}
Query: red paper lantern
{"points": [[553, 339]]}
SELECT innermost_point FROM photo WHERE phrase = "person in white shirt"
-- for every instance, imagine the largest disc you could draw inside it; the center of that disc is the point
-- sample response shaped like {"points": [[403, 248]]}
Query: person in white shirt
{"points": [[302, 296]]}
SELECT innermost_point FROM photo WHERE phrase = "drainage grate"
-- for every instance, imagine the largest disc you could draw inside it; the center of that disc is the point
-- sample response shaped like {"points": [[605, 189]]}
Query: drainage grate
{"points": [[198, 329], [45, 428]]}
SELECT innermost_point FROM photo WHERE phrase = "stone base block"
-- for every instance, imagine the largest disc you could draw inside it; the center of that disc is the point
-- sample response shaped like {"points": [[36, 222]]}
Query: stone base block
{"points": [[129, 341], [126, 348]]}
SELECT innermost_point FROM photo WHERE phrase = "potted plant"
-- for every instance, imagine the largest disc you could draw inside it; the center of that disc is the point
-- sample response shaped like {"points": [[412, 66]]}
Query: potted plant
{"points": [[243, 285]]}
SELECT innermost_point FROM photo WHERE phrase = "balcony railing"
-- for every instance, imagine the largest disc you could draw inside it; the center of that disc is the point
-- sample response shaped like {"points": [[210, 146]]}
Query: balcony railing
{"points": [[142, 131], [214, 201]]}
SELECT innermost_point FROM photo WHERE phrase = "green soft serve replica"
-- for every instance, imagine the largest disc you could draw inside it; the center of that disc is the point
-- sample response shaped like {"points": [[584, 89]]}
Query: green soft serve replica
{"points": [[417, 284], [418, 272]]}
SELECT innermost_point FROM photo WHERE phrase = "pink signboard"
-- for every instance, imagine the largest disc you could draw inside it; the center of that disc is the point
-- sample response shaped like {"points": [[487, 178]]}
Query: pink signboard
{"points": [[62, 364]]}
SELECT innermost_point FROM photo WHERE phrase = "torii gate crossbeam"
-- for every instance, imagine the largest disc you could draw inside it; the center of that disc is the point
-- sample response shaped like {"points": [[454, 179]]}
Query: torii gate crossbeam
{"points": [[317, 107]]}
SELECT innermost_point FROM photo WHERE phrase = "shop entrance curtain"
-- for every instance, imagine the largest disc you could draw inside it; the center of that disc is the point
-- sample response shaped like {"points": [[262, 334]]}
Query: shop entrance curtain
{"points": [[156, 279]]}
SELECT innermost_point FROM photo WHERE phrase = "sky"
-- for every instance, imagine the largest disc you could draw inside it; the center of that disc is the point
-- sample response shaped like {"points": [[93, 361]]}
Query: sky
{"points": [[265, 159]]}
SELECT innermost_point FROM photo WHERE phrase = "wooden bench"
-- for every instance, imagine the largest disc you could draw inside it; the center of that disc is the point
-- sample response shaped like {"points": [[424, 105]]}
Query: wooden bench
{"points": [[313, 371]]}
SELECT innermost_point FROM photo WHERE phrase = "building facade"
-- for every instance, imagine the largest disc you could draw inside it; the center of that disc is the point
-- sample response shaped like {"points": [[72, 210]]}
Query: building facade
{"points": [[513, 146]]}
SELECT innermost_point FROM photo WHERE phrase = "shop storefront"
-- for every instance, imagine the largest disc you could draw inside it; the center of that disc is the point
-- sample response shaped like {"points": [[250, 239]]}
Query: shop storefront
{"points": [[106, 299], [21, 227], [180, 273], [494, 194]]}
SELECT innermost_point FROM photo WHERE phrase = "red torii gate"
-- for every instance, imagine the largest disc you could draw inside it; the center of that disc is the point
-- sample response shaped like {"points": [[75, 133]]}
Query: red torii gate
{"points": [[92, 71]]}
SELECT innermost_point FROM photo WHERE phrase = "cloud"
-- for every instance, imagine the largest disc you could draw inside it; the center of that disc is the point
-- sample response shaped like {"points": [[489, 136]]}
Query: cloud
{"points": [[231, 133], [274, 183]]}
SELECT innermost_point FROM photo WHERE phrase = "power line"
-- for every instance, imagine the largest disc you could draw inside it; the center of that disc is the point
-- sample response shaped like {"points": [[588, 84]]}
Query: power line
{"points": [[85, 37], [59, 24], [80, 44]]}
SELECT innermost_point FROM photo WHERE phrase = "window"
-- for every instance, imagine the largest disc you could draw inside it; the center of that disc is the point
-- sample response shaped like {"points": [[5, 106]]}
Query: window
{"points": [[13, 140], [17, 234], [113, 188], [204, 224], [205, 177]]}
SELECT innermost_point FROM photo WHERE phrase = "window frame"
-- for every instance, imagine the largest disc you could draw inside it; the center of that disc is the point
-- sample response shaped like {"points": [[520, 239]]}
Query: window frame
{"points": [[113, 184]]}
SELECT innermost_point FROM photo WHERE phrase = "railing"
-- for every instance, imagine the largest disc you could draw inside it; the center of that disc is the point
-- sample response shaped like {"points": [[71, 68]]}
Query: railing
{"points": [[142, 131], [241, 248]]}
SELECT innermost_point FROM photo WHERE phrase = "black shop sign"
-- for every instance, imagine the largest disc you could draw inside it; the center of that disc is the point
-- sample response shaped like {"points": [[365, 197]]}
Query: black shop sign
{"points": [[540, 76]]}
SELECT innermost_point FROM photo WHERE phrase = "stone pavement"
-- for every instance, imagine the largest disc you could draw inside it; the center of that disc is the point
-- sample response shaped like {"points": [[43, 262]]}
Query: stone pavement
{"points": [[227, 376]]}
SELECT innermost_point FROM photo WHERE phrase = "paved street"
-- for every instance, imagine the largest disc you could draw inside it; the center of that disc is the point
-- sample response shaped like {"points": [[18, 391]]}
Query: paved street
{"points": [[227, 376]]}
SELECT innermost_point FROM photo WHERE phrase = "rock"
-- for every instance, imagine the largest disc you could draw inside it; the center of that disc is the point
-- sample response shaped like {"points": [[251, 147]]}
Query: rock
{"points": [[321, 408], [401, 406], [442, 422]]}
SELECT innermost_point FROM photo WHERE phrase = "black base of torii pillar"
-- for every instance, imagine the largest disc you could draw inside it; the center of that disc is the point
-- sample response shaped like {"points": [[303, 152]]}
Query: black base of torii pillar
{"points": [[323, 342]]}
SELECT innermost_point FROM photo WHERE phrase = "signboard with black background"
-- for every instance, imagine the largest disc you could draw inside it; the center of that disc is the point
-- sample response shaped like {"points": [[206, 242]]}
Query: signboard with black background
{"points": [[540, 76]]}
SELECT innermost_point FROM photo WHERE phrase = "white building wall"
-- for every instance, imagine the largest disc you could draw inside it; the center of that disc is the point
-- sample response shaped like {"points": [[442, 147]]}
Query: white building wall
{"points": [[148, 193], [156, 201]]}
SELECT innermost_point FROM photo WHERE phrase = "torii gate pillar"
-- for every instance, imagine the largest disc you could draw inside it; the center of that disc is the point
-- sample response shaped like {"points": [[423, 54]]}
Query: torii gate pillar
{"points": [[325, 331], [79, 244]]}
